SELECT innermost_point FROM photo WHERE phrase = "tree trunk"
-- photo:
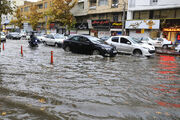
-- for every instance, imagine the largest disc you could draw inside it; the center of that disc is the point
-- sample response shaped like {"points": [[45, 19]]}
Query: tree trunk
{"points": [[0, 32]]}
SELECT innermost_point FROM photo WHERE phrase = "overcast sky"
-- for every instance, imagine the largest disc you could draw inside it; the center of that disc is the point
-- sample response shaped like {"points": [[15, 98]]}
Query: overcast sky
{"points": [[32, 0]]}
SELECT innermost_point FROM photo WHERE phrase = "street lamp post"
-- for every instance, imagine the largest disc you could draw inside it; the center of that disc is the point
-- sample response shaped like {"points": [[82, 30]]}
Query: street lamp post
{"points": [[123, 18]]}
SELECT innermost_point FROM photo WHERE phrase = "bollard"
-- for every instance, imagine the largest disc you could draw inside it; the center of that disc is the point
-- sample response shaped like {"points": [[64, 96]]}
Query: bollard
{"points": [[21, 50], [51, 57], [3, 45]]}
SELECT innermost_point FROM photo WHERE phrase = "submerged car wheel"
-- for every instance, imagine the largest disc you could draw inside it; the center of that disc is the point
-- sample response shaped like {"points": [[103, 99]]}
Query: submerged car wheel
{"points": [[67, 49], [96, 52], [44, 43], [165, 46], [137, 53]]}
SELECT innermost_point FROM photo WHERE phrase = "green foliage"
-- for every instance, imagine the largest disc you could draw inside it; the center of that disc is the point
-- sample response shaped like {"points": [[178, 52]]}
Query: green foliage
{"points": [[19, 19], [34, 17], [60, 12], [5, 8]]}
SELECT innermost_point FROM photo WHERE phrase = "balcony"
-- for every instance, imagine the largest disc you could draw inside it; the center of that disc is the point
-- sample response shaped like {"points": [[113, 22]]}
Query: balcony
{"points": [[92, 6], [114, 6]]}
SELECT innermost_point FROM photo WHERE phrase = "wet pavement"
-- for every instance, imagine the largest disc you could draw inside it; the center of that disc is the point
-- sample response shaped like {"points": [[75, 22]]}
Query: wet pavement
{"points": [[85, 87]]}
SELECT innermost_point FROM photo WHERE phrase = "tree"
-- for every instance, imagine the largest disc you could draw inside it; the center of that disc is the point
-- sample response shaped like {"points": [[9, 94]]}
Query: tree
{"points": [[34, 17], [60, 12], [5, 8], [19, 19]]}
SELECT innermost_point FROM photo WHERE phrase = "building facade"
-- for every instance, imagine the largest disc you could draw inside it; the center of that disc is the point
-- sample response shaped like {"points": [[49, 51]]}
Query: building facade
{"points": [[99, 17], [7, 18], [144, 17]]}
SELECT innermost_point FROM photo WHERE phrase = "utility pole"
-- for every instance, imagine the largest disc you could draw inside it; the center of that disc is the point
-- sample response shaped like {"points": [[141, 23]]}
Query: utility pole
{"points": [[123, 17]]}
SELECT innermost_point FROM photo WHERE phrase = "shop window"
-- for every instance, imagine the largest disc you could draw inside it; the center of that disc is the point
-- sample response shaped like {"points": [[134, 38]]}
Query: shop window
{"points": [[144, 15], [177, 13], [168, 13], [115, 18], [103, 2], [156, 14], [138, 31], [136, 15], [115, 39], [101, 16]]}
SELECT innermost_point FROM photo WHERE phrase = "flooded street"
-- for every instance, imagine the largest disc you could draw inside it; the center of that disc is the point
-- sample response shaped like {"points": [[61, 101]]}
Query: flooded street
{"points": [[84, 87]]}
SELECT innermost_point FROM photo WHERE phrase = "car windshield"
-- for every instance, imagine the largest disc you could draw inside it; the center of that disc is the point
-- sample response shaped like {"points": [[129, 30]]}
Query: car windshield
{"points": [[14, 33], [132, 40], [138, 40], [95, 39], [59, 36]]}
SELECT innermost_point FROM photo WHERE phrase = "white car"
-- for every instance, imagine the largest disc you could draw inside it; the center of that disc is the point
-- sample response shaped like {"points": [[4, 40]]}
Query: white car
{"points": [[177, 48], [41, 37], [125, 44], [54, 39], [165, 43], [3, 37], [158, 42]]}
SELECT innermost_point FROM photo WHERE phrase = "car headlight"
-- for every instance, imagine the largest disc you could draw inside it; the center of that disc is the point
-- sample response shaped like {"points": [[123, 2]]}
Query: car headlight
{"points": [[146, 48]]}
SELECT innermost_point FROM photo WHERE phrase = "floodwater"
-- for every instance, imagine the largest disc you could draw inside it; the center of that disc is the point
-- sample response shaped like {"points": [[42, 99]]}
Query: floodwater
{"points": [[85, 87]]}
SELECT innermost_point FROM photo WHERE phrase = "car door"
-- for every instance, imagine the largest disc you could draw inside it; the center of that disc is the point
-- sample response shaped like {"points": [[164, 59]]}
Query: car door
{"points": [[126, 45], [85, 45], [75, 44], [115, 41], [51, 40]]}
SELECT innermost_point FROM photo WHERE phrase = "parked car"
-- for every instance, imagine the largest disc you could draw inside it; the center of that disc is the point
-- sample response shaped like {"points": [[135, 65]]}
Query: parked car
{"points": [[54, 39], [177, 48], [105, 38], [3, 37], [41, 36], [165, 43], [89, 45], [158, 42], [125, 44], [13, 35]]}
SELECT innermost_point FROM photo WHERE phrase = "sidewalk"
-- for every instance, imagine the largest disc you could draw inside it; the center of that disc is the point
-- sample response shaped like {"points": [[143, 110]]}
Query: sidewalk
{"points": [[167, 51]]}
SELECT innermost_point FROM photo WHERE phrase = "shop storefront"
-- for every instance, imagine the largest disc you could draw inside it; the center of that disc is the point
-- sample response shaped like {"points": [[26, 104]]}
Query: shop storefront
{"points": [[101, 28], [116, 28], [82, 28], [143, 28], [172, 34]]}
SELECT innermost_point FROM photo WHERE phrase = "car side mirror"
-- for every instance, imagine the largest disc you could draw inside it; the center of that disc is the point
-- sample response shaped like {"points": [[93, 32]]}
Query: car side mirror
{"points": [[129, 43]]}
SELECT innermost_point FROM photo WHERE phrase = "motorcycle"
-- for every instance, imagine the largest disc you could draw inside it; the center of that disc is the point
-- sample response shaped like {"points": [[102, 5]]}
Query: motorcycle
{"points": [[33, 43]]}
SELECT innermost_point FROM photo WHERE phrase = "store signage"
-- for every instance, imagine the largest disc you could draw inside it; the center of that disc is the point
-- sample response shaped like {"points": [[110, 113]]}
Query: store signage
{"points": [[100, 23], [143, 24], [116, 25], [171, 29], [81, 26]]}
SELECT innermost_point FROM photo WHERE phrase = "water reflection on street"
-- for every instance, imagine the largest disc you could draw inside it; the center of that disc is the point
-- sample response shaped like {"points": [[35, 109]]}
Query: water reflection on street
{"points": [[84, 87]]}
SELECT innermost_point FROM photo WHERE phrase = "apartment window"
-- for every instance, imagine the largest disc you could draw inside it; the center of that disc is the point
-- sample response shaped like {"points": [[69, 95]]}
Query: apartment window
{"points": [[40, 6], [26, 9], [81, 5], [45, 5], [154, 2], [115, 17], [103, 2], [92, 3], [115, 3]]}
